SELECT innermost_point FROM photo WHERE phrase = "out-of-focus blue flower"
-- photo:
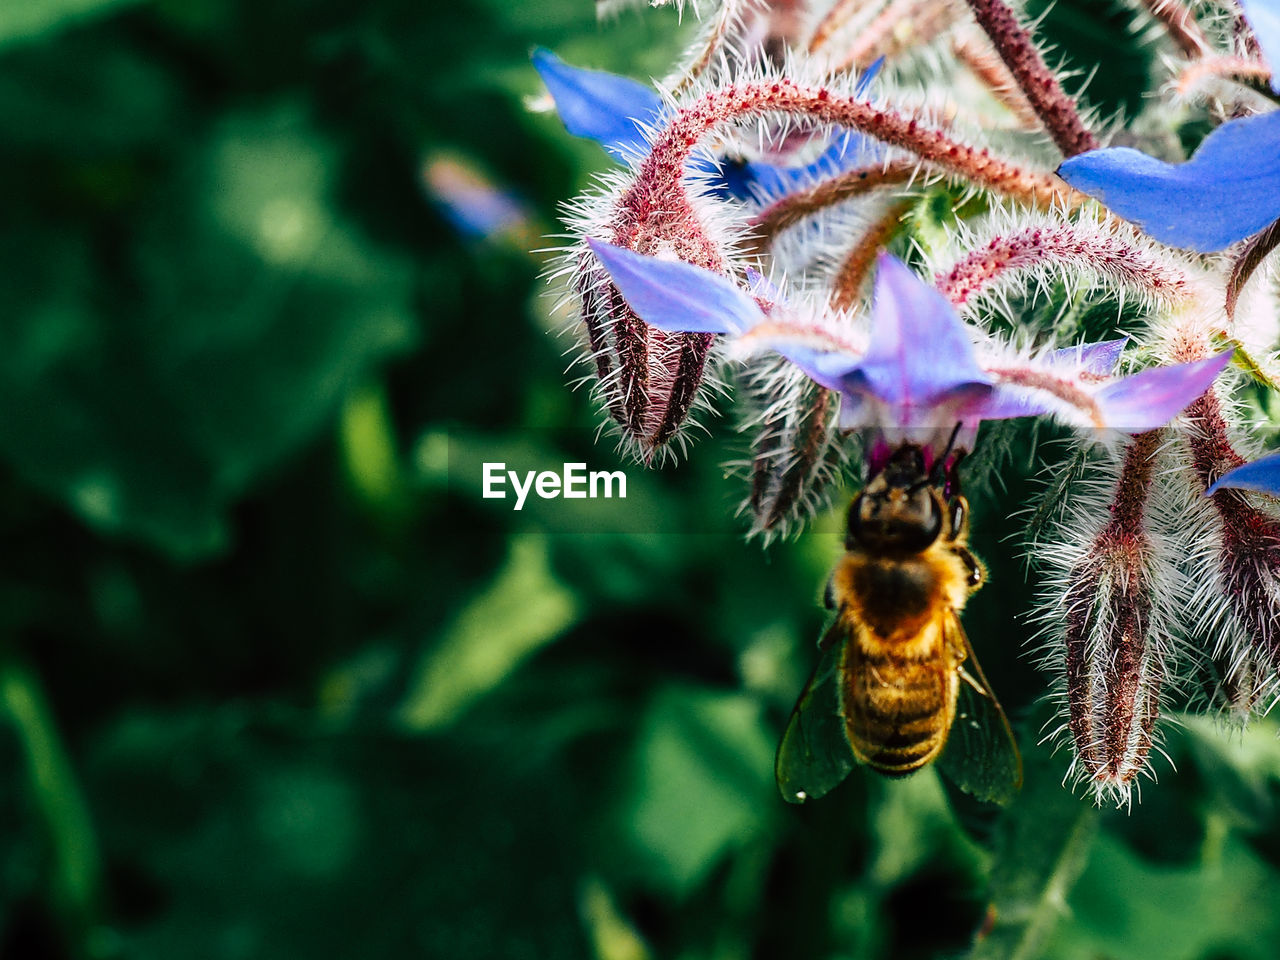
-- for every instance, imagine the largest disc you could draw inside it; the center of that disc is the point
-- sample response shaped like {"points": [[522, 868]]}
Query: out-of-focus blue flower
{"points": [[1228, 190], [1264, 17], [614, 111], [472, 205], [919, 367], [1260, 475]]}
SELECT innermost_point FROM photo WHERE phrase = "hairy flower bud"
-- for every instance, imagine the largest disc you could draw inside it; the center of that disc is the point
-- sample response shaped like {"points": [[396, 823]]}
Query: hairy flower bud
{"points": [[796, 452], [1109, 621], [1238, 593]]}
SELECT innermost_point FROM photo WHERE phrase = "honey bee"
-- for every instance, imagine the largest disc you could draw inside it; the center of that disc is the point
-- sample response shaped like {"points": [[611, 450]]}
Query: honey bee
{"points": [[897, 684]]}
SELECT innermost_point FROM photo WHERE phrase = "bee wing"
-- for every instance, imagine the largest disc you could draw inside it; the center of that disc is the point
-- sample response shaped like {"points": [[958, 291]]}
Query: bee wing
{"points": [[814, 755], [981, 756]]}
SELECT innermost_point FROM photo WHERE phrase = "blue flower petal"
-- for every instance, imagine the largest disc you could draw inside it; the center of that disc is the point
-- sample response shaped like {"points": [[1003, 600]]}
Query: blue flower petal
{"points": [[1264, 17], [1097, 358], [677, 297], [1153, 397], [824, 367], [474, 206], [1228, 190], [1006, 402], [920, 352], [604, 107], [1261, 475]]}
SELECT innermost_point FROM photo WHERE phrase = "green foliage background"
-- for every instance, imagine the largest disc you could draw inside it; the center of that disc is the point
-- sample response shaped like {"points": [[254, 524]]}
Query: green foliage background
{"points": [[276, 682]]}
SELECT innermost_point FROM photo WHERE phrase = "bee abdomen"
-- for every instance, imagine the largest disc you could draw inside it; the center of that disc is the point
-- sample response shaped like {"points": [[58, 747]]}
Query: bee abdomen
{"points": [[895, 745], [896, 715]]}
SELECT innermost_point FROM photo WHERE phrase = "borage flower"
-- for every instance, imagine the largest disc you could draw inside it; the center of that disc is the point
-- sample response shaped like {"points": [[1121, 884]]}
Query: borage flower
{"points": [[915, 373], [917, 368]]}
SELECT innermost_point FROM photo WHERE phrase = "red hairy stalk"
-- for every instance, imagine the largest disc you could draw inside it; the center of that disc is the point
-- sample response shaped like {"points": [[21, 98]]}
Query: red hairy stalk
{"points": [[1027, 249], [794, 207], [974, 51], [1180, 25], [1226, 68], [846, 288], [1055, 109], [1255, 251], [658, 194], [787, 456], [840, 13]]}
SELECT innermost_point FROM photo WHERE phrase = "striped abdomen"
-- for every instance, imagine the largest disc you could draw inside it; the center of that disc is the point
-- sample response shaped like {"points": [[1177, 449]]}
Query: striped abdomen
{"points": [[898, 709]]}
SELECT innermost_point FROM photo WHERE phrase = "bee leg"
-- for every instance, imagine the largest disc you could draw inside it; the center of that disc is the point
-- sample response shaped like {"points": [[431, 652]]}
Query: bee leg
{"points": [[829, 593], [977, 573], [968, 678]]}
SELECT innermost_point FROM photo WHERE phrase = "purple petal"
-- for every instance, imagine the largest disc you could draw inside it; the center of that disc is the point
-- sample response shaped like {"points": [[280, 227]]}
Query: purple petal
{"points": [[920, 350], [677, 297], [1004, 402], [1096, 358], [603, 107], [1228, 190], [1261, 475], [1264, 17], [827, 368], [1153, 397]]}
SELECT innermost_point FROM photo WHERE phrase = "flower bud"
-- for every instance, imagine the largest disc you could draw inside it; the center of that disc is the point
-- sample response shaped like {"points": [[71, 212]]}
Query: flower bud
{"points": [[1109, 616], [796, 451], [1237, 595]]}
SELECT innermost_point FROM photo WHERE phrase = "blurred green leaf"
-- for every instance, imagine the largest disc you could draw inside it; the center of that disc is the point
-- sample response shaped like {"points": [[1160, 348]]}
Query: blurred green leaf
{"points": [[702, 783], [1128, 909], [523, 609], [612, 937], [263, 308], [1239, 766], [339, 845], [26, 19]]}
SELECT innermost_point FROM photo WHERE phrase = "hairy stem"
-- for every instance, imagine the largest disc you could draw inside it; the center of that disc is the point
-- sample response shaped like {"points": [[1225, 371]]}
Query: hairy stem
{"points": [[1028, 249], [1180, 25], [1226, 68], [846, 288], [657, 196], [974, 51], [794, 207], [1055, 109]]}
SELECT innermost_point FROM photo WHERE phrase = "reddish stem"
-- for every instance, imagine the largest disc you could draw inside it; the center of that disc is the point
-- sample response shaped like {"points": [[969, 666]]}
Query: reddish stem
{"points": [[794, 207], [1055, 109], [847, 286], [1027, 249], [657, 197], [1180, 25]]}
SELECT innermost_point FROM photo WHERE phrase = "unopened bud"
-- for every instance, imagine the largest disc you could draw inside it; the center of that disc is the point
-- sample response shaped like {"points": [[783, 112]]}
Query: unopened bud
{"points": [[796, 451], [1112, 630]]}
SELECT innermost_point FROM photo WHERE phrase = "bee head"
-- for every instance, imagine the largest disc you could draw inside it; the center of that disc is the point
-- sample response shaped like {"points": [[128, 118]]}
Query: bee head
{"points": [[900, 511]]}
